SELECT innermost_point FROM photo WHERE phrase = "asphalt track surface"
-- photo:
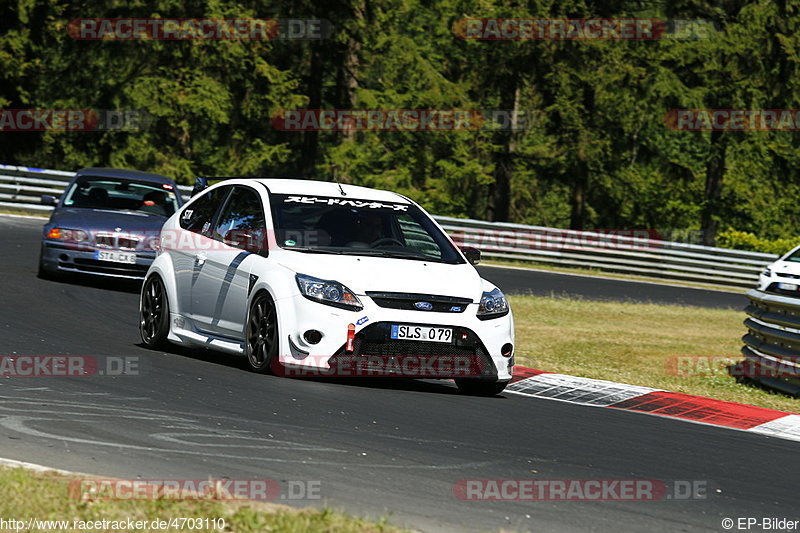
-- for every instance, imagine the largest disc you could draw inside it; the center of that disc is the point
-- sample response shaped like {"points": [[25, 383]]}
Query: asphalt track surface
{"points": [[377, 448]]}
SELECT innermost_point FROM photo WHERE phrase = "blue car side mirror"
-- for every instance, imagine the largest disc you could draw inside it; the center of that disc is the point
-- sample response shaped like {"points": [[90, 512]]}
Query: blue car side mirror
{"points": [[48, 199], [200, 184]]}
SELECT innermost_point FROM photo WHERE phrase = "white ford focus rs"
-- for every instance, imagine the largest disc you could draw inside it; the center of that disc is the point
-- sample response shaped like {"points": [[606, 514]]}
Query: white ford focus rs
{"points": [[783, 276], [317, 278]]}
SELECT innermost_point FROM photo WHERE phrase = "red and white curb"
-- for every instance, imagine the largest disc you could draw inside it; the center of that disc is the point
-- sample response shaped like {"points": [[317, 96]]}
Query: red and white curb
{"points": [[600, 393]]}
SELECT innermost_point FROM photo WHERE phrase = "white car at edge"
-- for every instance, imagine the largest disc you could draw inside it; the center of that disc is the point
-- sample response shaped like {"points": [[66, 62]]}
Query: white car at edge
{"points": [[299, 273], [782, 276]]}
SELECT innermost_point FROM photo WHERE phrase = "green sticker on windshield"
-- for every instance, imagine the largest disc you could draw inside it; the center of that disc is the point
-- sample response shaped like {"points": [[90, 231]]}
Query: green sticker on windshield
{"points": [[289, 243]]}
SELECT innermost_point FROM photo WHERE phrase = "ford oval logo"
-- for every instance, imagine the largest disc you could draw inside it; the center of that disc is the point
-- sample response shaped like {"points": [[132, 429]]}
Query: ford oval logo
{"points": [[423, 306]]}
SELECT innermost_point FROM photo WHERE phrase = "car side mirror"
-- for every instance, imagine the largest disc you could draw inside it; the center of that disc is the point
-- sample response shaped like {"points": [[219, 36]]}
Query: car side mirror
{"points": [[48, 199], [200, 184], [473, 255]]}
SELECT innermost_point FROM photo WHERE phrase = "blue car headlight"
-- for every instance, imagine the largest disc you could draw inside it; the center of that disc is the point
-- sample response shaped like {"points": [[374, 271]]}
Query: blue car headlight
{"points": [[328, 292], [67, 235], [493, 305]]}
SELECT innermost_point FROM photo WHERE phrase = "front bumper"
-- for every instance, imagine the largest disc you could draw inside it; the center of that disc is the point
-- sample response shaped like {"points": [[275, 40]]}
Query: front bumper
{"points": [[476, 347], [81, 259], [775, 285]]}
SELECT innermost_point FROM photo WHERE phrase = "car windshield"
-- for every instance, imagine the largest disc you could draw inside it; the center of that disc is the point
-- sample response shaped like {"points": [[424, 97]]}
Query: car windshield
{"points": [[793, 257], [119, 194], [321, 224]]}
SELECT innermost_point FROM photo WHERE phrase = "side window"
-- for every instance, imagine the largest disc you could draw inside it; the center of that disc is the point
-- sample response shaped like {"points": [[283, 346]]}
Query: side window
{"points": [[198, 215], [241, 223]]}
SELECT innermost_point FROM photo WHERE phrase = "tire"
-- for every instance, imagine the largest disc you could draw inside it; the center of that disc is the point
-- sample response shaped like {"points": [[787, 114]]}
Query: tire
{"points": [[154, 314], [261, 334], [480, 387], [43, 273]]}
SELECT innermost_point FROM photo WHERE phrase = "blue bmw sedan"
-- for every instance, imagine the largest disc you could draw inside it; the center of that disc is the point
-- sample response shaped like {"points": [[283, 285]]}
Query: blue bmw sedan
{"points": [[107, 223]]}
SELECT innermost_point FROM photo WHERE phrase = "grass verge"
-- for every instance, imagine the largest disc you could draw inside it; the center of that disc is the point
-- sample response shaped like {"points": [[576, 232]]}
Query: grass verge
{"points": [[634, 343], [12, 211], [45, 496]]}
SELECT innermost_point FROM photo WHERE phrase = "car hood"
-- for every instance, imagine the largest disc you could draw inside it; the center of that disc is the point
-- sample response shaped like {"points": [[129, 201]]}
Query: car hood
{"points": [[361, 274], [101, 220], [787, 267]]}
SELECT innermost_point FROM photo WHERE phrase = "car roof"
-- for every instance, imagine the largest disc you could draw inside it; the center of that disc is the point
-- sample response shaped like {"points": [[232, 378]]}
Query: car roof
{"points": [[124, 173], [323, 188]]}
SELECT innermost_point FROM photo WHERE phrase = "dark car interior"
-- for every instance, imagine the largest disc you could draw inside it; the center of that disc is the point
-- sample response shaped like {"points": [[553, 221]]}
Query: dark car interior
{"points": [[121, 195]]}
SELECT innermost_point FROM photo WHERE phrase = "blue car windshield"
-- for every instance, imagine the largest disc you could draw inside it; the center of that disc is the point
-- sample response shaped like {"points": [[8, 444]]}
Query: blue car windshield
{"points": [[118, 194]]}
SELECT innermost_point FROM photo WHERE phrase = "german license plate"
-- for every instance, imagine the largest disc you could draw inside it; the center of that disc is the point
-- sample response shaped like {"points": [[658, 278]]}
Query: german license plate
{"points": [[787, 286], [116, 257], [409, 332]]}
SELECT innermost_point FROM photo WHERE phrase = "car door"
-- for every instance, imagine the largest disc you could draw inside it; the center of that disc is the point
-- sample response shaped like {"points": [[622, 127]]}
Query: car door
{"points": [[188, 246], [219, 294]]}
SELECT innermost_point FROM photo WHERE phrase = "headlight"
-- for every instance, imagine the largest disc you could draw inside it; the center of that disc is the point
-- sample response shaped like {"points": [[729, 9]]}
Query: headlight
{"points": [[154, 242], [493, 305], [767, 272], [328, 292], [68, 235]]}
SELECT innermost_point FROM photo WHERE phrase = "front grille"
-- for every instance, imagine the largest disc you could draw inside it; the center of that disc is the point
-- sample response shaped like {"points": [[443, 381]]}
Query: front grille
{"points": [[407, 301], [773, 288], [402, 347], [127, 243], [104, 267], [112, 241], [787, 275], [105, 241], [374, 342]]}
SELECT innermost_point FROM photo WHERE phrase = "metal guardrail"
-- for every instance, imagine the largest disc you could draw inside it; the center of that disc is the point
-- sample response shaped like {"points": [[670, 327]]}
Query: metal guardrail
{"points": [[21, 188], [772, 342], [610, 252]]}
